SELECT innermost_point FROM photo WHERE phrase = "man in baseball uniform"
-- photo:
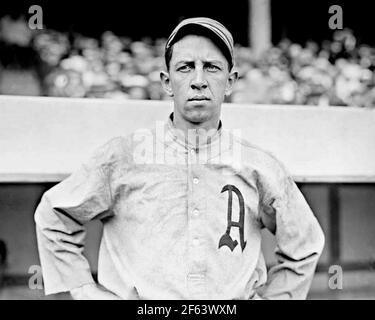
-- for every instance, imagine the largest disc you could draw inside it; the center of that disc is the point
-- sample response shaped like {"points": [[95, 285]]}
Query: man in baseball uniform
{"points": [[182, 204]]}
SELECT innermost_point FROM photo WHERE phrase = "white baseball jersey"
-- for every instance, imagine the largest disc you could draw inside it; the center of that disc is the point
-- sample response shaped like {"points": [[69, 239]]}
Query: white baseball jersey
{"points": [[181, 220]]}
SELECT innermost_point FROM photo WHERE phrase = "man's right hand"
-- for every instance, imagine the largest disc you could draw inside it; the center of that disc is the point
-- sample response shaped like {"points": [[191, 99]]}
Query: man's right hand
{"points": [[92, 291]]}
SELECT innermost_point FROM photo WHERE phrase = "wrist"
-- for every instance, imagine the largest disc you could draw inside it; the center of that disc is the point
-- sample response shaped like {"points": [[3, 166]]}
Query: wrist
{"points": [[79, 292]]}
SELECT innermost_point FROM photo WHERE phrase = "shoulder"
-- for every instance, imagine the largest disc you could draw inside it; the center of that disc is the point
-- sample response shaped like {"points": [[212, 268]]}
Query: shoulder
{"points": [[259, 156], [114, 150], [271, 173], [122, 148], [272, 176]]}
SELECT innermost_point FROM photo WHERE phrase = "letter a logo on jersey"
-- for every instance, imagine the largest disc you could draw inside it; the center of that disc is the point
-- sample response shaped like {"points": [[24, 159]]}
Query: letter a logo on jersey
{"points": [[226, 239]]}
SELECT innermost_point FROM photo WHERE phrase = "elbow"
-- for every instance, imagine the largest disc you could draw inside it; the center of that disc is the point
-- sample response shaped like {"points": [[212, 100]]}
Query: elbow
{"points": [[42, 209], [319, 240]]}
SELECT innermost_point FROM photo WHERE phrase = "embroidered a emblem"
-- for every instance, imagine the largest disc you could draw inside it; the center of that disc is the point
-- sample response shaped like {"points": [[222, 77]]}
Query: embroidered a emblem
{"points": [[226, 239]]}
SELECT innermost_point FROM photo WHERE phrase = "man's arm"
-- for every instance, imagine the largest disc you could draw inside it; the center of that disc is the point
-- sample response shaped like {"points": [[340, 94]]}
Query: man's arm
{"points": [[299, 237], [60, 219]]}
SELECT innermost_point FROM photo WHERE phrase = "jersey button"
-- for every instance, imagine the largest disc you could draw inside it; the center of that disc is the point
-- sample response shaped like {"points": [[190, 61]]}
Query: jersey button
{"points": [[195, 180], [195, 212]]}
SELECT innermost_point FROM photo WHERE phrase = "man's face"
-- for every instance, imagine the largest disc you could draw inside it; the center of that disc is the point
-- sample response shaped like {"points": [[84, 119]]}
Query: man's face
{"points": [[198, 80]]}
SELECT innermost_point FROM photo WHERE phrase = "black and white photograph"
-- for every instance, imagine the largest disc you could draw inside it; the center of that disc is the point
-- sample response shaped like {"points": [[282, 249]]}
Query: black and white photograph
{"points": [[187, 150]]}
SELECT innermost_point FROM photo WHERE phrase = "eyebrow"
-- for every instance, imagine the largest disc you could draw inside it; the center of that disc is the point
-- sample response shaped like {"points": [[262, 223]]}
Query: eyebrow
{"points": [[204, 62]]}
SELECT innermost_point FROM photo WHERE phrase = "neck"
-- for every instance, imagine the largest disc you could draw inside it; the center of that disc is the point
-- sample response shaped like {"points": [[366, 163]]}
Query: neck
{"points": [[186, 126], [193, 130]]}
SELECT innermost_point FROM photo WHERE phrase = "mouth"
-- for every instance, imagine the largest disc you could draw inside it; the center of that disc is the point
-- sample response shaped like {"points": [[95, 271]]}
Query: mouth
{"points": [[199, 98]]}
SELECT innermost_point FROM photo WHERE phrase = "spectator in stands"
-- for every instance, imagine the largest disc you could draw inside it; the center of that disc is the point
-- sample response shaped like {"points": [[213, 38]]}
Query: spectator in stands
{"points": [[20, 64]]}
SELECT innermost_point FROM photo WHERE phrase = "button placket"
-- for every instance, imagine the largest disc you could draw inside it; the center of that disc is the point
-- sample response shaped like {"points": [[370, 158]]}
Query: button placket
{"points": [[195, 191], [197, 263], [192, 156]]}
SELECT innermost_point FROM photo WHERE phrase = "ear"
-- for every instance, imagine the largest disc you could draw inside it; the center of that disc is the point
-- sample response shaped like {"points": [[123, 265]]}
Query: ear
{"points": [[233, 76], [166, 83]]}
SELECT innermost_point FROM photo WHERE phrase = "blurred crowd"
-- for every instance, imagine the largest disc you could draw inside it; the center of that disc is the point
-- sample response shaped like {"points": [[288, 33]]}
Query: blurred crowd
{"points": [[338, 71]]}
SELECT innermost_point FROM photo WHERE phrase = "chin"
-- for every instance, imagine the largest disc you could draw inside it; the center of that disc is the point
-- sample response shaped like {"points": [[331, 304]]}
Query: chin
{"points": [[197, 116]]}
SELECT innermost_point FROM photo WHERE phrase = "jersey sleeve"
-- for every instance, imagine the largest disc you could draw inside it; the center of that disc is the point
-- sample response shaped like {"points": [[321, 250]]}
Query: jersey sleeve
{"points": [[60, 223], [299, 237]]}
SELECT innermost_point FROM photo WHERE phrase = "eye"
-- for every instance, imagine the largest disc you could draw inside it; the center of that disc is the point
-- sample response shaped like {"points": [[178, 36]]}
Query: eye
{"points": [[212, 68], [184, 68]]}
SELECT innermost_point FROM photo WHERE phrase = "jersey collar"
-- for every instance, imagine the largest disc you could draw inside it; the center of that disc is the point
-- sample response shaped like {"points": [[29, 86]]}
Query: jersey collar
{"points": [[201, 141]]}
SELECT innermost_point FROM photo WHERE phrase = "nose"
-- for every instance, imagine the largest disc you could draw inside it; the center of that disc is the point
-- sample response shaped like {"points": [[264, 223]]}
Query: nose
{"points": [[199, 80]]}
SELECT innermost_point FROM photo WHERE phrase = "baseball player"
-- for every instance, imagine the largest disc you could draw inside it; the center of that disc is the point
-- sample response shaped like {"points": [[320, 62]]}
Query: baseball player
{"points": [[189, 226]]}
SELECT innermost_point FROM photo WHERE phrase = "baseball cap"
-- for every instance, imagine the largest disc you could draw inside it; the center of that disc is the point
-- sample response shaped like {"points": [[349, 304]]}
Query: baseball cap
{"points": [[207, 27]]}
